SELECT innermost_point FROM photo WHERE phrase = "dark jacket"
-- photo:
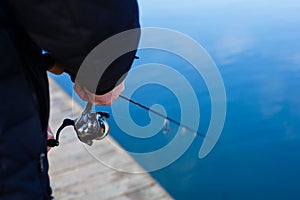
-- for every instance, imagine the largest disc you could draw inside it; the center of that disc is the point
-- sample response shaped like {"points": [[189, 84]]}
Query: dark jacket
{"points": [[68, 30]]}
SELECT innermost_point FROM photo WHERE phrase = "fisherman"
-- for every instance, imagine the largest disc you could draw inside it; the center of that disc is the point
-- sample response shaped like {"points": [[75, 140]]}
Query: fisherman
{"points": [[68, 30]]}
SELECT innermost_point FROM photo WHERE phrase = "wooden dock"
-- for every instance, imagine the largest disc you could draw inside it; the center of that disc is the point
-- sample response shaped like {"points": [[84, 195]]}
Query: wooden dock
{"points": [[76, 174]]}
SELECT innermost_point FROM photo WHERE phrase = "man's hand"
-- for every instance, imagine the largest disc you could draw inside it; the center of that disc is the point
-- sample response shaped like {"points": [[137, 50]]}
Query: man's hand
{"points": [[57, 69], [86, 95], [50, 135], [105, 99]]}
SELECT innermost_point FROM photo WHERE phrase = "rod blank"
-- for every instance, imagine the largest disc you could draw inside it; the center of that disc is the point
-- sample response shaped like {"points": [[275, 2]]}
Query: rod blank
{"points": [[161, 115]]}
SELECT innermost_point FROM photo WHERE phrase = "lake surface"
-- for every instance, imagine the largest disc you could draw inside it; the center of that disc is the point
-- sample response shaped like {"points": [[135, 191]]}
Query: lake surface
{"points": [[256, 46]]}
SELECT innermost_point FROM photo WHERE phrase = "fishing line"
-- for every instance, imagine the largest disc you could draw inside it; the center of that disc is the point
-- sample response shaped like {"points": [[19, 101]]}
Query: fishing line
{"points": [[162, 115]]}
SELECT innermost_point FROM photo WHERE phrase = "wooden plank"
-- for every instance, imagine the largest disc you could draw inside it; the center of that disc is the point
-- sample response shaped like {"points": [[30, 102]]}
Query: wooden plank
{"points": [[76, 174], [153, 192]]}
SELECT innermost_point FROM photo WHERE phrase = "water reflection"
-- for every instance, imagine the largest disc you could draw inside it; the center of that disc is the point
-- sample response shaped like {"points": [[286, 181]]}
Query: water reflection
{"points": [[166, 126], [256, 47]]}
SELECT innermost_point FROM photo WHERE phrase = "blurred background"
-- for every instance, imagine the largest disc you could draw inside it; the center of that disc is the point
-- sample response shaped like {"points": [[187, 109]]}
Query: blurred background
{"points": [[256, 46]]}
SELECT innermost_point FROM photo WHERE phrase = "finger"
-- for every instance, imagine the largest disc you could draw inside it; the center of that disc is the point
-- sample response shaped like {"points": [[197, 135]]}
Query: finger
{"points": [[117, 91], [50, 135], [80, 91], [90, 97], [108, 98], [104, 99]]}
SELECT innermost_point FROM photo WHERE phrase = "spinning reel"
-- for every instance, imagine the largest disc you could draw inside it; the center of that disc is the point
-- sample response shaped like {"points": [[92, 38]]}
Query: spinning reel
{"points": [[90, 126]]}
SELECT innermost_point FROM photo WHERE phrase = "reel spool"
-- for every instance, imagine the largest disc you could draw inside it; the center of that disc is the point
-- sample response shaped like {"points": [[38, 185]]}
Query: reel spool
{"points": [[91, 126]]}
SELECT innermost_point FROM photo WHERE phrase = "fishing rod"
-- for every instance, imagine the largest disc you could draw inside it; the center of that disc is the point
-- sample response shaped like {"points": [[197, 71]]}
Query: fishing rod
{"points": [[162, 115], [93, 125]]}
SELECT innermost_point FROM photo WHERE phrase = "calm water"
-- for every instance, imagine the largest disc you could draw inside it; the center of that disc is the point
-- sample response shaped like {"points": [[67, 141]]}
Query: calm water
{"points": [[256, 46]]}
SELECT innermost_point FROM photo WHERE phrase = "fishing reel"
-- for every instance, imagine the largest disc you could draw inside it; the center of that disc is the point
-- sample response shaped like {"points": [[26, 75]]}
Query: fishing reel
{"points": [[90, 126]]}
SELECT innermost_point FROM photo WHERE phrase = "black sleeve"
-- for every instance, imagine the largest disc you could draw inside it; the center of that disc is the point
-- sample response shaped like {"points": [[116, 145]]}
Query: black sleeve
{"points": [[70, 29]]}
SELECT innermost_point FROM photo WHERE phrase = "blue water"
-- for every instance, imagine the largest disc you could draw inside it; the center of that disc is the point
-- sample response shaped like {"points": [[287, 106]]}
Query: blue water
{"points": [[256, 46]]}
